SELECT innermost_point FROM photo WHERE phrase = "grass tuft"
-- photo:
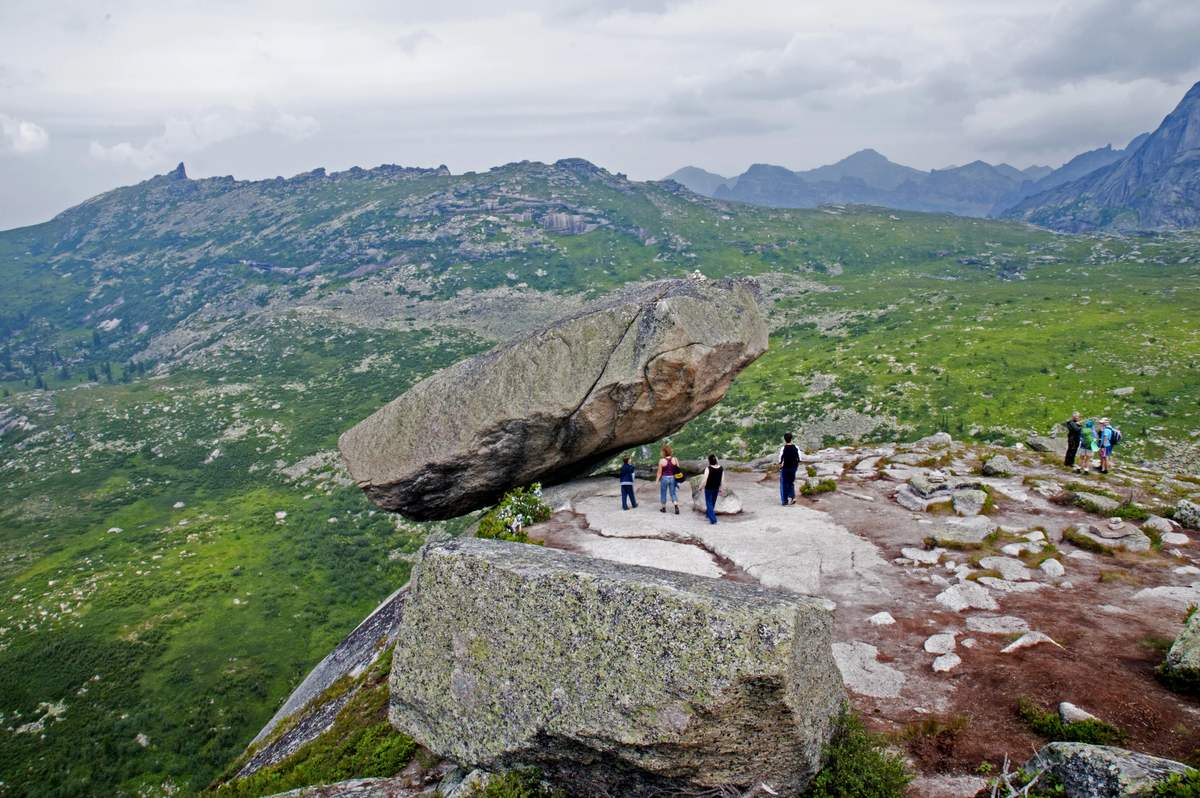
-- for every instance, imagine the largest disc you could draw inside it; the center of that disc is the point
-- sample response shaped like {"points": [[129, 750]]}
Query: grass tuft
{"points": [[857, 766], [1051, 726]]}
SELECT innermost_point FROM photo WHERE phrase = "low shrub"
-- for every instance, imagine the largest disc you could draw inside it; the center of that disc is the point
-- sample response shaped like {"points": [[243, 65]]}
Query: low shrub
{"points": [[518, 509], [1185, 681], [521, 783], [1178, 786], [825, 486], [1086, 543], [1051, 726], [857, 765]]}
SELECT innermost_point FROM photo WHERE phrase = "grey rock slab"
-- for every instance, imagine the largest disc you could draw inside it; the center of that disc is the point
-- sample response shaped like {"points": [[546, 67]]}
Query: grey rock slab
{"points": [[965, 530], [936, 439], [997, 625], [866, 465], [1184, 656], [1101, 771], [1175, 598], [940, 644], [1158, 524], [910, 458], [909, 499], [998, 466], [1005, 586], [969, 502], [922, 556], [1041, 443], [555, 402], [1175, 539], [728, 501], [965, 596], [1073, 714], [1010, 568], [600, 673], [1026, 640], [946, 662], [1052, 568], [1103, 503], [881, 619], [663, 554], [863, 673]]}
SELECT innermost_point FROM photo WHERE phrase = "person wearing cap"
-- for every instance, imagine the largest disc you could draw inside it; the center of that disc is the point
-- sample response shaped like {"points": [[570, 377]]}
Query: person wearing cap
{"points": [[1074, 432], [1087, 445], [1105, 444]]}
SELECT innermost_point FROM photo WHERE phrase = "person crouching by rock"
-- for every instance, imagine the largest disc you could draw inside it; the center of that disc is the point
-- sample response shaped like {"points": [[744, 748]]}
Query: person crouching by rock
{"points": [[712, 487], [627, 472], [1087, 445], [1074, 433], [667, 467]]}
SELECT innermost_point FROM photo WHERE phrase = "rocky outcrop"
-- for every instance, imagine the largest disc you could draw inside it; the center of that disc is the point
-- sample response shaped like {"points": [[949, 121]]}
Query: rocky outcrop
{"points": [[1041, 443], [609, 676], [997, 466], [1184, 657], [1188, 514], [554, 403], [1101, 771]]}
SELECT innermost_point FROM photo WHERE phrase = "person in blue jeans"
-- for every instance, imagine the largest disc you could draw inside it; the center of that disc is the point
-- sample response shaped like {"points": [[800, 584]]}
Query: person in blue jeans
{"points": [[712, 487], [627, 472], [789, 461], [667, 467]]}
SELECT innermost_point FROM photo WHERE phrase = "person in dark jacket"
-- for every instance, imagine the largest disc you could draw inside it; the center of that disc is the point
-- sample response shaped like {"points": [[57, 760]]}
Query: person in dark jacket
{"points": [[627, 472], [789, 461], [1074, 433], [712, 487]]}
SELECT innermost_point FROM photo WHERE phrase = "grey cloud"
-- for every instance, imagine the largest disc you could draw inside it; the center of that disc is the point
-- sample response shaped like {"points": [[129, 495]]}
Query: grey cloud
{"points": [[408, 43], [1118, 39]]}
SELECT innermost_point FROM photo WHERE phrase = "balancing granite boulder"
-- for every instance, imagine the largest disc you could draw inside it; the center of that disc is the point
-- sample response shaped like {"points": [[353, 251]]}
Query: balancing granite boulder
{"points": [[552, 404], [612, 679]]}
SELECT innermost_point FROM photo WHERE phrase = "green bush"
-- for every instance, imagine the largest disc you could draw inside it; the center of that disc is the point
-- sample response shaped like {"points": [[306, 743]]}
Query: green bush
{"points": [[517, 510], [1051, 726], [857, 765], [826, 486], [522, 783]]}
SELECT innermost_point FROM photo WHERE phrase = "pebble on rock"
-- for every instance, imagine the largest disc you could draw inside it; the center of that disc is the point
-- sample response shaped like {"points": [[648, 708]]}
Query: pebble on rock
{"points": [[966, 595], [946, 662], [1175, 539], [940, 644], [881, 619], [1073, 714], [1052, 568], [1027, 640]]}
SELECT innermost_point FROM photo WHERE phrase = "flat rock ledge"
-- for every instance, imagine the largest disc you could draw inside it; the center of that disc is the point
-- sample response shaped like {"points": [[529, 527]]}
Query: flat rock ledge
{"points": [[612, 679], [554, 403]]}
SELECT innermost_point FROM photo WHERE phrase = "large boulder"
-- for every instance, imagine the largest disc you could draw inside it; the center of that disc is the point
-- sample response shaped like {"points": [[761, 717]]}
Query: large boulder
{"points": [[997, 466], [1102, 771], [1183, 659], [554, 403], [1188, 514], [1041, 443], [607, 676], [728, 502]]}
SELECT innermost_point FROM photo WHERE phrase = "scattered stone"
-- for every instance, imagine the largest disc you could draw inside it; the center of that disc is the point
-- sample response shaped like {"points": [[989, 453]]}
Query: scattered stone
{"points": [[1187, 514], [922, 556], [910, 458], [553, 403], [1010, 568], [863, 673], [1175, 539], [866, 465], [1102, 503], [828, 469], [1102, 771], [1160, 525], [939, 580], [964, 596], [940, 644], [713, 707], [946, 662], [968, 643], [909, 499], [886, 619], [1035, 536], [998, 466], [1052, 568], [1187, 570], [179, 505], [1177, 598], [937, 439], [113, 530], [1016, 549], [999, 625], [1073, 714], [1026, 640], [1132, 541], [1040, 443], [142, 740], [968, 530], [1122, 391], [969, 502]]}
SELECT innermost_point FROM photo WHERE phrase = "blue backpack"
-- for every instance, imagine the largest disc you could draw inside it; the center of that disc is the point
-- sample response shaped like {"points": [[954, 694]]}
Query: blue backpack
{"points": [[1116, 437]]}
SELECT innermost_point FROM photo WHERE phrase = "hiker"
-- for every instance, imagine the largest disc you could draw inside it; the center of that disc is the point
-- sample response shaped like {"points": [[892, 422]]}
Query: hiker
{"points": [[627, 472], [668, 467], [1108, 435], [789, 461], [712, 487], [1074, 433], [1087, 445]]}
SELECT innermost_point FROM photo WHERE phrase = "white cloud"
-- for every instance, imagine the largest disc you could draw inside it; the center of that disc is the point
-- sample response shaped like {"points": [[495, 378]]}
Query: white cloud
{"points": [[21, 137], [202, 130]]}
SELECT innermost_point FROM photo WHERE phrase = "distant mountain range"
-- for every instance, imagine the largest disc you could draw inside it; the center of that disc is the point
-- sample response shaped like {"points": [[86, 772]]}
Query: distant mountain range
{"points": [[977, 189], [1152, 184], [1156, 187]]}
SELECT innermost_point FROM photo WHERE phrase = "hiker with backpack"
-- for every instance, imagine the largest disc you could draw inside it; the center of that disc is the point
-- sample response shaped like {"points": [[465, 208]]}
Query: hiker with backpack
{"points": [[668, 476], [789, 461], [1110, 436], [1087, 447]]}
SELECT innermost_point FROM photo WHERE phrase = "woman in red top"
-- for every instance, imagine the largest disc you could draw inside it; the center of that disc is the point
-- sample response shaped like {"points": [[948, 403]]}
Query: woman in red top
{"points": [[667, 467]]}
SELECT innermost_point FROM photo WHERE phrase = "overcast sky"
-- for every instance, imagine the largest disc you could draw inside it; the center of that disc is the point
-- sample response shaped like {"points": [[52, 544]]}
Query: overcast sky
{"points": [[95, 95]]}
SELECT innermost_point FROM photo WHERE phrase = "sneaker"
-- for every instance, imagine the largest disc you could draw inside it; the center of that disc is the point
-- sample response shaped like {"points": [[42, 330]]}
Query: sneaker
{"points": [[791, 501], [677, 509], [635, 506], [663, 510]]}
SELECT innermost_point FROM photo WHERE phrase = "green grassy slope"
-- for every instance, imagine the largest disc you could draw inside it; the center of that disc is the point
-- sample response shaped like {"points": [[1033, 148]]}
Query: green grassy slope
{"points": [[229, 374]]}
